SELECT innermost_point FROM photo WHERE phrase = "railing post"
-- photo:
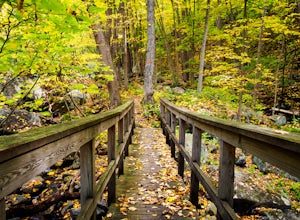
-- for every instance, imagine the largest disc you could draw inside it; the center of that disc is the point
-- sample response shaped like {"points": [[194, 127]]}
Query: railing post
{"points": [[162, 117], [168, 123], [126, 124], [182, 128], [196, 154], [87, 171], [132, 118], [112, 156], [226, 172], [120, 141], [2, 209], [173, 128]]}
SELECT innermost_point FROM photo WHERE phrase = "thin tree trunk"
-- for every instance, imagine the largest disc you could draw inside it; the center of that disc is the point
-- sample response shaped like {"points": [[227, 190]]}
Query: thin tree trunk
{"points": [[150, 55], [259, 48], [125, 55], [170, 61], [276, 77], [176, 73], [202, 56], [239, 115]]}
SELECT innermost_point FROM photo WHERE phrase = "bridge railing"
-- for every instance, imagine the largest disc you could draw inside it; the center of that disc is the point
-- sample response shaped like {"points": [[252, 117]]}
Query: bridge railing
{"points": [[27, 154], [280, 149]]}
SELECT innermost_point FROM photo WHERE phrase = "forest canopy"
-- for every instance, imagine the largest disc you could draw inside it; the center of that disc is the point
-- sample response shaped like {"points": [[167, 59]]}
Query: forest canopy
{"points": [[251, 49]]}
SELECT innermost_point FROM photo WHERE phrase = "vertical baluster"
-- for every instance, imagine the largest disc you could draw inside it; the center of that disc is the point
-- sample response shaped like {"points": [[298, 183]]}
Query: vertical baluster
{"points": [[196, 154], [168, 122], [120, 141], [126, 130], [173, 129], [226, 172], [182, 128], [112, 156], [133, 119], [87, 171], [162, 117], [2, 209]]}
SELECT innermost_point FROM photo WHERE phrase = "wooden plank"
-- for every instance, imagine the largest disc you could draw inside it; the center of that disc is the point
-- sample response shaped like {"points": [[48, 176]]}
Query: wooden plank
{"points": [[274, 147], [87, 171], [173, 123], [17, 171], [196, 155], [290, 141], [182, 128], [224, 209], [88, 208], [13, 145], [172, 146], [2, 209], [111, 143], [226, 172]]}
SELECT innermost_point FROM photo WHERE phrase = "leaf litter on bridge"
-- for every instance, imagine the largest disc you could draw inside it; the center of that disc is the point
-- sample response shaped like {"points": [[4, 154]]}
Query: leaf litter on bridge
{"points": [[151, 187]]}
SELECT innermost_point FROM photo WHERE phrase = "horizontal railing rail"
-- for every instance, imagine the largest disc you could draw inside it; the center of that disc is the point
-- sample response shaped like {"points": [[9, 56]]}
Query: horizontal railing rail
{"points": [[282, 149], [25, 155]]}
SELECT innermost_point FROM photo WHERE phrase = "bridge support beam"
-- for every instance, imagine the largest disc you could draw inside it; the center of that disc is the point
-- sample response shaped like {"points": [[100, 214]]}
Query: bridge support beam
{"points": [[196, 155], [182, 128], [111, 143], [2, 209], [226, 172], [121, 141], [87, 172]]}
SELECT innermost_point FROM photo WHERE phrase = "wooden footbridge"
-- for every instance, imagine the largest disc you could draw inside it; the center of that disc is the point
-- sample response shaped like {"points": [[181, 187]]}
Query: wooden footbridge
{"points": [[25, 155]]}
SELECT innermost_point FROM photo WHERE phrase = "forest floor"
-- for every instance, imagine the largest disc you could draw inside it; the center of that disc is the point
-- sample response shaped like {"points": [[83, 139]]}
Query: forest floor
{"points": [[155, 159]]}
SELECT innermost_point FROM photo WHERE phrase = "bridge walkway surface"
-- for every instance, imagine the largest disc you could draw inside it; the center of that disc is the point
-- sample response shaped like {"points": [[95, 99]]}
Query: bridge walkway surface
{"points": [[150, 187]]}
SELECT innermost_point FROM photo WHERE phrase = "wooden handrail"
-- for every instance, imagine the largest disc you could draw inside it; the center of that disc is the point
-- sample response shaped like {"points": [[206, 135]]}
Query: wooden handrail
{"points": [[281, 149], [25, 155]]}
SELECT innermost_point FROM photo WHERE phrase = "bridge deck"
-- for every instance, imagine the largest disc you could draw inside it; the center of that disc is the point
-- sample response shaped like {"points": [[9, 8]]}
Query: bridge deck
{"points": [[150, 187]]}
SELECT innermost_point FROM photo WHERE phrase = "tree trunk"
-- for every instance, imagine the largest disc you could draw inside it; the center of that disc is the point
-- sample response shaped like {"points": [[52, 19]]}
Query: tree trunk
{"points": [[202, 56], [276, 76], [259, 48], [150, 55], [175, 12], [167, 46], [104, 50], [126, 65], [239, 114]]}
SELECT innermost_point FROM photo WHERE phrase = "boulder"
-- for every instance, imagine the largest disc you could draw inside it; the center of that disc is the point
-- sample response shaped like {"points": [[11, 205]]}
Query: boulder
{"points": [[279, 119], [178, 90], [20, 119]]}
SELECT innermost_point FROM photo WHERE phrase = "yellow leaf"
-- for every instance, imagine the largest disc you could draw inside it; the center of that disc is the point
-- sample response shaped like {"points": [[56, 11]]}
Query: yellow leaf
{"points": [[51, 173], [131, 208]]}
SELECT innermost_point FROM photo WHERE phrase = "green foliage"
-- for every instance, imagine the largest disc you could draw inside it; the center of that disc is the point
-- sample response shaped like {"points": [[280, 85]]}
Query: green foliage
{"points": [[295, 189]]}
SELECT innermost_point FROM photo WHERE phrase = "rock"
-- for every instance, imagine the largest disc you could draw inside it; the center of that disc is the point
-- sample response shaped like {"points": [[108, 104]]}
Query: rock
{"points": [[33, 186], [241, 161], [67, 207], [78, 97], [102, 208], [17, 199], [211, 209], [20, 119], [279, 119], [11, 88], [178, 90], [261, 165], [75, 213], [39, 93], [188, 145]]}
